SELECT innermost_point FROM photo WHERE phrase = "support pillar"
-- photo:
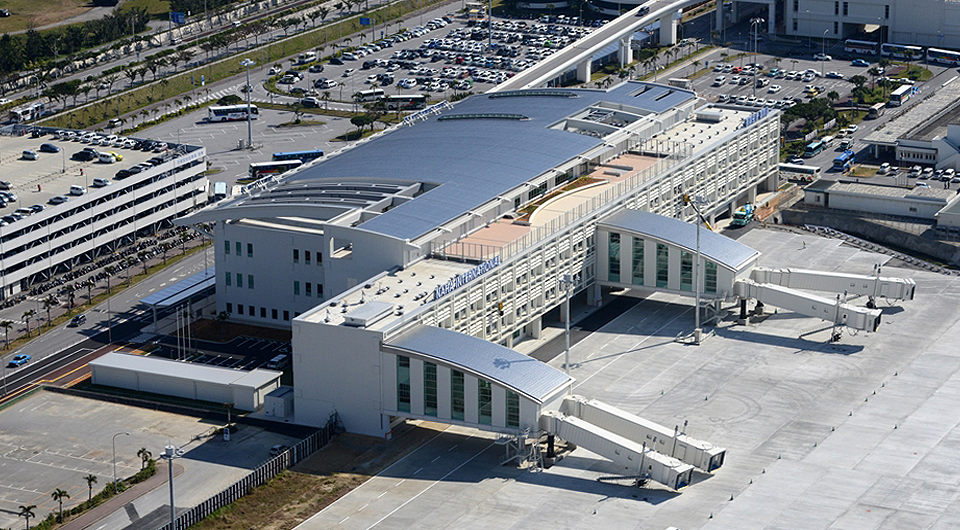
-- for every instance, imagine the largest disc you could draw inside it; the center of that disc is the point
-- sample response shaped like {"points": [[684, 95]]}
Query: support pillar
{"points": [[743, 309], [536, 327], [772, 18], [752, 194], [594, 295], [584, 71], [719, 16], [668, 29], [624, 52]]}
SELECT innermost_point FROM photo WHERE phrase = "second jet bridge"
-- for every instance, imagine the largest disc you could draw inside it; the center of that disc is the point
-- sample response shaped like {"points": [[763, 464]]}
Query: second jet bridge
{"points": [[812, 305], [837, 282]]}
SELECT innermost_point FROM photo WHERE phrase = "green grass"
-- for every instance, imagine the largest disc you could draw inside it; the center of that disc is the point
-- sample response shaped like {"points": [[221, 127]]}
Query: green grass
{"points": [[156, 8], [26, 14], [174, 85]]}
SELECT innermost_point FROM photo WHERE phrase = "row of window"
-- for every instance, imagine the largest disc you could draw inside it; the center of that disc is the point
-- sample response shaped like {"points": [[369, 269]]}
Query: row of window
{"points": [[308, 289], [252, 311], [663, 266], [229, 280], [306, 257], [238, 246], [456, 393]]}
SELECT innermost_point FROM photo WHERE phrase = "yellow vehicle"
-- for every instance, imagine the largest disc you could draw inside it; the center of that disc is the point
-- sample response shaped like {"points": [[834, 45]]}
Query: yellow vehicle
{"points": [[116, 155]]}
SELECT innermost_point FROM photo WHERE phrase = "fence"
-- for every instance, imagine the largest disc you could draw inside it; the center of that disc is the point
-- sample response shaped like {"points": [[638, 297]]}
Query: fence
{"points": [[259, 476]]}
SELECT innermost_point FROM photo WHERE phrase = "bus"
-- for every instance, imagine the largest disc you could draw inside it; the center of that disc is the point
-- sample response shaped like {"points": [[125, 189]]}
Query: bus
{"points": [[259, 169], [303, 156], [901, 95], [799, 172], [680, 82], [876, 110], [844, 161], [25, 114], [232, 113], [405, 102], [947, 57], [813, 149], [860, 46], [901, 51], [367, 96]]}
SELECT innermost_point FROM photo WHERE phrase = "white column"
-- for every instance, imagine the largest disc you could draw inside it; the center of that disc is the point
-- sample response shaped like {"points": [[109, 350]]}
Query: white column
{"points": [[772, 17], [623, 52], [584, 71], [668, 30]]}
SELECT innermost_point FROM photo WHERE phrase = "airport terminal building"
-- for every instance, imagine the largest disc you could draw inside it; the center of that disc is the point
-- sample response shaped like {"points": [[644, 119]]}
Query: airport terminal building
{"points": [[467, 218]]}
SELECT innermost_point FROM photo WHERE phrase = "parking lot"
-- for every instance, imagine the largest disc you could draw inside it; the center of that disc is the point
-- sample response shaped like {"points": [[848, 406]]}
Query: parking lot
{"points": [[242, 353]]}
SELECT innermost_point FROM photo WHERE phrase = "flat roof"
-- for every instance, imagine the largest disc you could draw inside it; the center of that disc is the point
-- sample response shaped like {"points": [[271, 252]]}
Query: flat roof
{"points": [[915, 122], [715, 247], [185, 370], [185, 288], [500, 364], [921, 193], [463, 163]]}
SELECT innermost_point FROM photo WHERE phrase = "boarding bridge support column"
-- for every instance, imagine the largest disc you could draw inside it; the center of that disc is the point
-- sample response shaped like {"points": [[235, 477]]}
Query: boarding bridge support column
{"points": [[752, 194], [624, 53], [668, 29], [719, 16], [772, 18], [584, 71]]}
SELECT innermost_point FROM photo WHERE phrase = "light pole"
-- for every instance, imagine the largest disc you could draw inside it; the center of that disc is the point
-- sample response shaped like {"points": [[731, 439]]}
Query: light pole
{"points": [[567, 281], [823, 51], [696, 201], [169, 453], [115, 459], [247, 63], [755, 22]]}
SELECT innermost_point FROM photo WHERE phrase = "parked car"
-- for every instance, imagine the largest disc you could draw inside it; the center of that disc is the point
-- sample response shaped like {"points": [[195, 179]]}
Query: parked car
{"points": [[30, 155], [100, 182], [49, 148], [77, 320], [822, 57], [859, 62], [19, 360], [315, 69], [774, 89], [795, 160]]}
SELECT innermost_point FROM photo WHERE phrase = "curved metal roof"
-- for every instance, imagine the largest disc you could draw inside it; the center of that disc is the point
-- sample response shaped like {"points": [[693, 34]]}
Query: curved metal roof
{"points": [[522, 374], [716, 247]]}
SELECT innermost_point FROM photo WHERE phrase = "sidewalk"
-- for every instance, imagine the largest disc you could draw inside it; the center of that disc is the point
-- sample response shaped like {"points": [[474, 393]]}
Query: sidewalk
{"points": [[115, 503]]}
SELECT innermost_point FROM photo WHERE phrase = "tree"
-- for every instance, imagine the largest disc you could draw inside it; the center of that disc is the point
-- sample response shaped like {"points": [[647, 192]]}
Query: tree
{"points": [[27, 512], [145, 456], [874, 74], [696, 65], [27, 315], [6, 325], [70, 290], [58, 495], [326, 99], [833, 96], [323, 11], [132, 74], [49, 303], [91, 480], [143, 255]]}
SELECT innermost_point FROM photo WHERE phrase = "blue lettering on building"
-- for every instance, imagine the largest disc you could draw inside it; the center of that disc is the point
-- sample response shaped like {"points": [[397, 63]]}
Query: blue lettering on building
{"points": [[465, 278]]}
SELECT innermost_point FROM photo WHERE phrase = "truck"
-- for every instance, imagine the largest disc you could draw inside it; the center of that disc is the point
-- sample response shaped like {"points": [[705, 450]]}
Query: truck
{"points": [[219, 191], [742, 215]]}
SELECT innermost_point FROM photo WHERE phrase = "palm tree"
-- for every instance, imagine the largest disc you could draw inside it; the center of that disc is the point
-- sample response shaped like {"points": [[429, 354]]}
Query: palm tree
{"points": [[874, 74], [58, 495], [696, 65], [145, 456], [48, 303], [27, 513], [27, 315], [833, 96], [326, 99], [6, 325], [70, 290], [91, 480]]}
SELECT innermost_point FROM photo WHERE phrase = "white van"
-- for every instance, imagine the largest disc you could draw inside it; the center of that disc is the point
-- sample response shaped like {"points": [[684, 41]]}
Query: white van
{"points": [[827, 140], [306, 57], [77, 190], [106, 158]]}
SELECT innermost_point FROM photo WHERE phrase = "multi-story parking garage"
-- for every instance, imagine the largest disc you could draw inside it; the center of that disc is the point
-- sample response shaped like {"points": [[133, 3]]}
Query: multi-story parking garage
{"points": [[70, 211], [467, 219]]}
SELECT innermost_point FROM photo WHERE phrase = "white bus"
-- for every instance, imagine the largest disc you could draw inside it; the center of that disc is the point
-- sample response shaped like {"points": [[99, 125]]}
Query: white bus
{"points": [[901, 95], [901, 51], [25, 114], [367, 96], [860, 46], [680, 82], [799, 172], [232, 113]]}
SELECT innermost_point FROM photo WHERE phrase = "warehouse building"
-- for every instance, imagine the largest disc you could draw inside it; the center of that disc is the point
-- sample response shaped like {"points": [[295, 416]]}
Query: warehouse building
{"points": [[70, 211]]}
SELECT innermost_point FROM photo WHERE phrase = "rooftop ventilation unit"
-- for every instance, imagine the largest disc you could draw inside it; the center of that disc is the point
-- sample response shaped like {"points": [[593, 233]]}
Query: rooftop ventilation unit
{"points": [[367, 314], [709, 115]]}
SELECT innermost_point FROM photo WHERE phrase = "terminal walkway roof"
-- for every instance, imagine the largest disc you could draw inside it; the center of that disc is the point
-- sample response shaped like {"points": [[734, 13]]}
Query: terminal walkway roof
{"points": [[511, 369], [178, 292]]}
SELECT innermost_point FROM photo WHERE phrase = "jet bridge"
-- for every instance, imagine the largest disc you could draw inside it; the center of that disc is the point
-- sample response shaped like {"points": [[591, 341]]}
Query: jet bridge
{"points": [[636, 457], [810, 304], [838, 282], [700, 454]]}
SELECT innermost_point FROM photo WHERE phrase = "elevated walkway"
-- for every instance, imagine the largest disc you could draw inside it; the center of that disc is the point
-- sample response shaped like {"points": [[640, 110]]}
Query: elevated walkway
{"points": [[672, 442], [837, 282], [835, 311]]}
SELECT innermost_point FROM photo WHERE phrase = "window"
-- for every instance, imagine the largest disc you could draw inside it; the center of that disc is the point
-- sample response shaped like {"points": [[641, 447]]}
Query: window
{"points": [[306, 257], [226, 247], [403, 383], [663, 264], [319, 258], [309, 290], [296, 255], [457, 402], [429, 389], [485, 395], [513, 410], [263, 312], [516, 203], [249, 250], [886, 12], [794, 24], [796, 8], [836, 8], [228, 279], [240, 309], [710, 277], [846, 8], [239, 280], [296, 290], [273, 314], [229, 307], [286, 315], [238, 246], [249, 281], [319, 290], [614, 257], [686, 271], [836, 27], [637, 265]]}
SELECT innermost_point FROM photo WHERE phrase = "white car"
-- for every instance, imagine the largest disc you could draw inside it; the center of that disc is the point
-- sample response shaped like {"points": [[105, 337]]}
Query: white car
{"points": [[719, 81], [735, 80], [774, 89], [822, 57], [348, 72], [852, 129]]}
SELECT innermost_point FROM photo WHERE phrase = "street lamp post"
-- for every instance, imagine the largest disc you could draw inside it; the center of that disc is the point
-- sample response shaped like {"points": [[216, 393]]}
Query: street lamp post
{"points": [[755, 22], [823, 51], [115, 459], [247, 63], [696, 201], [169, 453], [567, 281]]}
